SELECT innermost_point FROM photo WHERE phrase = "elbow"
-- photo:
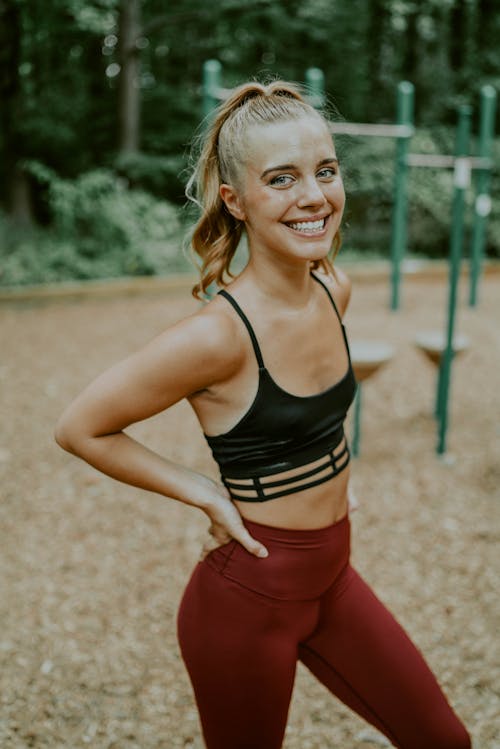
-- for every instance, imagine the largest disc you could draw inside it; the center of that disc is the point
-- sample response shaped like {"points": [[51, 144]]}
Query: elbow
{"points": [[75, 436], [62, 437], [67, 435]]}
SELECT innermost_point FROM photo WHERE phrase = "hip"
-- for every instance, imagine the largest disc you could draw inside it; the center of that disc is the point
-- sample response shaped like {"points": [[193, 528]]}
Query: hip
{"points": [[302, 563]]}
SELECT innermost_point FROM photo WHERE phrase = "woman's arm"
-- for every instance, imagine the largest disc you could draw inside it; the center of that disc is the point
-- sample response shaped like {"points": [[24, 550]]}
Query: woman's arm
{"points": [[184, 359]]}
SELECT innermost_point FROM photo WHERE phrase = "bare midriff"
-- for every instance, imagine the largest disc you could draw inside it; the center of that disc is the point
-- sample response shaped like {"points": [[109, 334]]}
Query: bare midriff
{"points": [[315, 507]]}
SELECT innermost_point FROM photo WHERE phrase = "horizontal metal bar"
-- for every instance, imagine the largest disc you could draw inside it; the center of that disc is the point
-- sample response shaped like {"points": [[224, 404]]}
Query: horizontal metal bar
{"points": [[442, 161], [480, 162], [436, 160], [366, 128]]}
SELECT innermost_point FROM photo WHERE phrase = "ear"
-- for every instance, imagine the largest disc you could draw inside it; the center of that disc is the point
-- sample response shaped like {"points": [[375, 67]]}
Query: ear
{"points": [[232, 201]]}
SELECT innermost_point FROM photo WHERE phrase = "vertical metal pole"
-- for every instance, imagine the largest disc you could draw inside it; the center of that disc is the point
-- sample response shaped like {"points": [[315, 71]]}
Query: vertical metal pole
{"points": [[439, 390], [405, 98], [482, 206], [315, 83], [212, 70], [357, 422], [461, 182]]}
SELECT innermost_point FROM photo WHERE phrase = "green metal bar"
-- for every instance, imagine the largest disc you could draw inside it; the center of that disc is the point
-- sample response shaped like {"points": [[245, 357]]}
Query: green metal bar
{"points": [[212, 70], [483, 201], [461, 182], [405, 98], [315, 83], [357, 422], [439, 391]]}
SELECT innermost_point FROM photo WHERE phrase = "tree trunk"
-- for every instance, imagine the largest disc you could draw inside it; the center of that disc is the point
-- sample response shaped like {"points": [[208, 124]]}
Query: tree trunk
{"points": [[375, 42], [410, 58], [488, 29], [15, 189], [129, 89], [458, 33], [21, 210]]}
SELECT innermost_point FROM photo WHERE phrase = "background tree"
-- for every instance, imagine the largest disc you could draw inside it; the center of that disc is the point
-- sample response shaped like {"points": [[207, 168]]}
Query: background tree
{"points": [[116, 84]]}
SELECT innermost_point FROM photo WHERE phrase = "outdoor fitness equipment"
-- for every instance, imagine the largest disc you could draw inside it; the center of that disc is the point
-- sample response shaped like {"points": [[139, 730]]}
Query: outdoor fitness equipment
{"points": [[214, 92], [402, 131], [367, 357], [482, 207], [464, 164], [441, 349]]}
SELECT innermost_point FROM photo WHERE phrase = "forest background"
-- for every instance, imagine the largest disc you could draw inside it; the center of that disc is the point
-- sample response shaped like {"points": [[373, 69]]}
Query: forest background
{"points": [[100, 100]]}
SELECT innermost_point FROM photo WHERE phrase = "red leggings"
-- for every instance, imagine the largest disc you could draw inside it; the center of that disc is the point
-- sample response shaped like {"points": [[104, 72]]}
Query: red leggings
{"points": [[244, 621]]}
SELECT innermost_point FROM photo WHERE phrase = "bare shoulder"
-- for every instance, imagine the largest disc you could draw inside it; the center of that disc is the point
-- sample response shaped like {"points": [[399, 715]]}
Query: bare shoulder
{"points": [[207, 345], [188, 357], [339, 285], [217, 335]]}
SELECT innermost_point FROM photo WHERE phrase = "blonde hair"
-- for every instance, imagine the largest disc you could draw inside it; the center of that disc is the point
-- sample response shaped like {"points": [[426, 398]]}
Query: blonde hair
{"points": [[217, 233]]}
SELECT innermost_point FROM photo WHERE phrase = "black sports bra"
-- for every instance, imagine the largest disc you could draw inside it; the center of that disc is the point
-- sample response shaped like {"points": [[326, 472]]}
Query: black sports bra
{"points": [[281, 431]]}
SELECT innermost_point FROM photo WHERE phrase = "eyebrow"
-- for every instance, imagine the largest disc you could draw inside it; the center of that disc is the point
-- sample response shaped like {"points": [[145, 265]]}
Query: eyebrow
{"points": [[282, 167]]}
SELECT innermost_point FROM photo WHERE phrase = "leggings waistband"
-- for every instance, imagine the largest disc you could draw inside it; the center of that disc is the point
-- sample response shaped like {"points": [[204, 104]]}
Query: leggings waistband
{"points": [[277, 533], [301, 564]]}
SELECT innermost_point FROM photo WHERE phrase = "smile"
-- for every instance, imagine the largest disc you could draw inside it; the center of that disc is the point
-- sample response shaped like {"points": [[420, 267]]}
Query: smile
{"points": [[309, 227]]}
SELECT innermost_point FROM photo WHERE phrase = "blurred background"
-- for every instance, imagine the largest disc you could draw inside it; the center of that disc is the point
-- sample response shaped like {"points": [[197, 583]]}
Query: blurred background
{"points": [[99, 103], [100, 100]]}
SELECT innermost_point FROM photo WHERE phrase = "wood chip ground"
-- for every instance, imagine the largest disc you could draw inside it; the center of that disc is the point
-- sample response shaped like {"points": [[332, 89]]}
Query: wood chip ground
{"points": [[92, 571]]}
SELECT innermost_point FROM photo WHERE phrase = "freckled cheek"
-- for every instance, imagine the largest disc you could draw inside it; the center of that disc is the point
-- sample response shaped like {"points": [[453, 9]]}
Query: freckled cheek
{"points": [[336, 198], [265, 205], [283, 198]]}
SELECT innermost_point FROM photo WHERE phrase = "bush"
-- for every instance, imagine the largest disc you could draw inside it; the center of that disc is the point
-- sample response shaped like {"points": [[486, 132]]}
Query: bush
{"points": [[99, 229], [160, 175]]}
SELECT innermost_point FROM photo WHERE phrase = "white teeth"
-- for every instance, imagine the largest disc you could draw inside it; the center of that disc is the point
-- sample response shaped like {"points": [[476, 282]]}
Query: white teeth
{"points": [[309, 226]]}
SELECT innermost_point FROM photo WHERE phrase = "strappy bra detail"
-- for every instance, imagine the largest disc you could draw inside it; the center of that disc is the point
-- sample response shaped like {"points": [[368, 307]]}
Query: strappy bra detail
{"points": [[281, 431], [245, 319]]}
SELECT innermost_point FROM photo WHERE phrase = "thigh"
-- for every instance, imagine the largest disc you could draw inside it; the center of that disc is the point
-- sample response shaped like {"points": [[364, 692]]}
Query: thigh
{"points": [[241, 657], [362, 655]]}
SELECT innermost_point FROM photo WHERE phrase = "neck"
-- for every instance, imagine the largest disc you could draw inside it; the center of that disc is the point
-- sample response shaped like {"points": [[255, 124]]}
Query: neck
{"points": [[288, 285]]}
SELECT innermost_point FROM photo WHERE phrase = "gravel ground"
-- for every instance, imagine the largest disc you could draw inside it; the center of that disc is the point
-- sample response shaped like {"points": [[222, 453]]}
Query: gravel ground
{"points": [[93, 570]]}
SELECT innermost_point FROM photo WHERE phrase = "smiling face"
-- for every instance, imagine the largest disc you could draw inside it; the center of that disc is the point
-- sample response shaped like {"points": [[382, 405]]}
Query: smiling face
{"points": [[289, 193]]}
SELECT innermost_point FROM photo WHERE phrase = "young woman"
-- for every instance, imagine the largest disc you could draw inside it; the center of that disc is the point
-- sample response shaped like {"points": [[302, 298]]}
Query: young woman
{"points": [[265, 365]]}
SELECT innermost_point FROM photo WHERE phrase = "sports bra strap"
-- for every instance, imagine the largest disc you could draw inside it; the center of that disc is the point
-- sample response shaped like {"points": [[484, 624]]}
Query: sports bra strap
{"points": [[245, 319], [331, 297]]}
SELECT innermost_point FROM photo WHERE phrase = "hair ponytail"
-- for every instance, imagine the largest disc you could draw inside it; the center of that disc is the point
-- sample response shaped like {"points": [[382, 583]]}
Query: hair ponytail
{"points": [[217, 232]]}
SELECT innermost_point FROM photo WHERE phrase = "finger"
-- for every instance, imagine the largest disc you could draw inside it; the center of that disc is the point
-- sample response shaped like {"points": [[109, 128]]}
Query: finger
{"points": [[206, 549], [212, 543], [250, 544]]}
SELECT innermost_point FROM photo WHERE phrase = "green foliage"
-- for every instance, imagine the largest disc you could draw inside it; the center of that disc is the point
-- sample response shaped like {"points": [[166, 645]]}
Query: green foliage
{"points": [[160, 175], [368, 171], [62, 64], [100, 229]]}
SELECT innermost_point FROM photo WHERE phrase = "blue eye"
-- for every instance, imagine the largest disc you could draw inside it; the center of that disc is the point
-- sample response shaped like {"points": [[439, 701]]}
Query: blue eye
{"points": [[327, 173], [281, 180]]}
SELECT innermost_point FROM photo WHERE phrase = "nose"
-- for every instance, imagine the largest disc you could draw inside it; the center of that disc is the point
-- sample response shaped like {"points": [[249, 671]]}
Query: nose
{"points": [[311, 193]]}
